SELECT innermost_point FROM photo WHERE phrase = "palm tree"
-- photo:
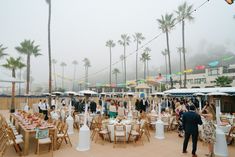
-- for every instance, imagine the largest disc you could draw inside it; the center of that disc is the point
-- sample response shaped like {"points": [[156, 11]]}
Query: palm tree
{"points": [[63, 64], [21, 66], [145, 57], [2, 49], [164, 53], [13, 64], [180, 50], [116, 71], [166, 23], [87, 64], [49, 49], [54, 63], [28, 48], [138, 37], [75, 63], [125, 40], [110, 44], [122, 61], [184, 12], [148, 58], [223, 81]]}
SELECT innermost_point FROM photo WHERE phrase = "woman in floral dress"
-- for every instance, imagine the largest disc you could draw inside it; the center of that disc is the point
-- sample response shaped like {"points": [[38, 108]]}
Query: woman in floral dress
{"points": [[208, 127]]}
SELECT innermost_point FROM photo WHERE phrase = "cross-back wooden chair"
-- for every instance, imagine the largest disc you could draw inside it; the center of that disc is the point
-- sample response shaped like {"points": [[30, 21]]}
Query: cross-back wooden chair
{"points": [[119, 132], [44, 137], [63, 136]]}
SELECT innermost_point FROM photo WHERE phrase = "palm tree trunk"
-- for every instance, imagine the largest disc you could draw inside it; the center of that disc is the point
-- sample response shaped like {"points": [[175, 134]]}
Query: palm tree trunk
{"points": [[87, 78], [12, 110], [166, 66], [116, 78], [74, 75], [125, 64], [20, 82], [144, 70], [54, 76], [49, 52], [169, 57], [110, 67], [147, 68], [62, 77], [28, 74], [180, 71], [185, 75], [136, 60]]}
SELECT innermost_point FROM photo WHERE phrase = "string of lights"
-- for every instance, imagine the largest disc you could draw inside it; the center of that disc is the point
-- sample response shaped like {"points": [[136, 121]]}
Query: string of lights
{"points": [[145, 44]]}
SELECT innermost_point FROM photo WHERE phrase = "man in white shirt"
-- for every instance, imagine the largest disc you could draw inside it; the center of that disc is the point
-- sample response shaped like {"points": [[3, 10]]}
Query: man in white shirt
{"points": [[39, 106], [44, 107]]}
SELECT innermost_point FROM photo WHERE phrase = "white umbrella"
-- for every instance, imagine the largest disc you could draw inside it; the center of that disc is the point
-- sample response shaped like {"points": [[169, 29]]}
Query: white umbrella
{"points": [[217, 94], [57, 93], [46, 94], [199, 94], [103, 93], [70, 93], [158, 94], [88, 92], [130, 94], [79, 94]]}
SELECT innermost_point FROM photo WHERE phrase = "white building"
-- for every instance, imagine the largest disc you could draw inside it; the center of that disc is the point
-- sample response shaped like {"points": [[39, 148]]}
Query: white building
{"points": [[206, 78]]}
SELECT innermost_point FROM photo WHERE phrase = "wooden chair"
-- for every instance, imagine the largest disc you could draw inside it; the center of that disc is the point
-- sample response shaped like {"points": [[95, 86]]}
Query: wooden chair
{"points": [[3, 141], [231, 136], [63, 136], [173, 123], [43, 137], [119, 131], [76, 123], [104, 132], [166, 123], [135, 133], [144, 129], [96, 126], [15, 142]]}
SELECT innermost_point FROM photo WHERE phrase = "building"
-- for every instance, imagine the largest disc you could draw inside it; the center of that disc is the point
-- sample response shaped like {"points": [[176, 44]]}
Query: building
{"points": [[206, 78]]}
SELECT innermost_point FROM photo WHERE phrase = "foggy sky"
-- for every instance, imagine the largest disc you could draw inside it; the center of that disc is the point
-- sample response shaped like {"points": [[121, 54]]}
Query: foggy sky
{"points": [[80, 29]]}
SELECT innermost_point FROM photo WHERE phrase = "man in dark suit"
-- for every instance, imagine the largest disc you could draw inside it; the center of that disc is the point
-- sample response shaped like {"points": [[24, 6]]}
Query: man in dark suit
{"points": [[191, 120], [93, 106]]}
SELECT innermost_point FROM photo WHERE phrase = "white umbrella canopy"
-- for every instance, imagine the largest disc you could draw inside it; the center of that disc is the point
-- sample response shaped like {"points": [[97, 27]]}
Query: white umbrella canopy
{"points": [[46, 94], [158, 94], [57, 93], [217, 94], [199, 94], [79, 94], [88, 92], [70, 93]]}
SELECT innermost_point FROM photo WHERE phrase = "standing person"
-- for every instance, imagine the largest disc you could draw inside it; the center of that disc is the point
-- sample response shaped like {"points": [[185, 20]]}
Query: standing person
{"points": [[208, 134], [93, 106], [179, 114], [53, 103], [191, 120], [39, 106], [137, 105], [44, 108]]}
